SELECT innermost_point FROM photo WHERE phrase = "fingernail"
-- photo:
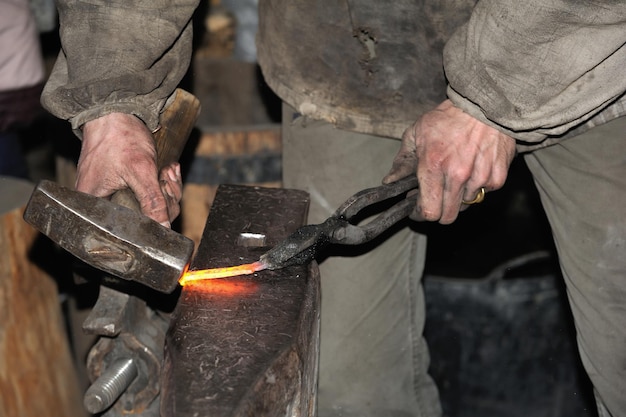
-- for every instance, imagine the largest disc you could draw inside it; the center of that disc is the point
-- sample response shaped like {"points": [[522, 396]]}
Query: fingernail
{"points": [[166, 224], [168, 190]]}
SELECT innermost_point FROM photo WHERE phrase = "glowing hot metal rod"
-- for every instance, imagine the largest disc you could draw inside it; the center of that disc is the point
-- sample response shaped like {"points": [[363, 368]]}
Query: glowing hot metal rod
{"points": [[213, 273]]}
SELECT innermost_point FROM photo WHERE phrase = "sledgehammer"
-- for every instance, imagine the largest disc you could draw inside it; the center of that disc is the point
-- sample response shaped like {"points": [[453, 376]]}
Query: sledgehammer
{"points": [[108, 234]]}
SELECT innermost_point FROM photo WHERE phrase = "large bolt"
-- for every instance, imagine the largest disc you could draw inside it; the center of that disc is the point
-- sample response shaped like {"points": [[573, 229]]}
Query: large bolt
{"points": [[110, 385]]}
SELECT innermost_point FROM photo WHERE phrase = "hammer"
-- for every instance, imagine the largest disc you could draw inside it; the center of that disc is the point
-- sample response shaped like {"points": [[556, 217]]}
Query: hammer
{"points": [[114, 236]]}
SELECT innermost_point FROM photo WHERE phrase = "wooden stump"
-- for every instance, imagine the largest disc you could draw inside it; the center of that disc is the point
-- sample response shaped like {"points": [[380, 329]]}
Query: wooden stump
{"points": [[37, 376]]}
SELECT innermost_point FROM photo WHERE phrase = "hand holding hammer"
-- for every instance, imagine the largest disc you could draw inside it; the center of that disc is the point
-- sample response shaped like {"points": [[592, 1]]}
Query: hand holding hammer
{"points": [[112, 235], [118, 152]]}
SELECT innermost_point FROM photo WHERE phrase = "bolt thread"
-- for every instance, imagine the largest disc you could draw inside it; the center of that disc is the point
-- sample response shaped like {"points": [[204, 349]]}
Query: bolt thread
{"points": [[110, 385]]}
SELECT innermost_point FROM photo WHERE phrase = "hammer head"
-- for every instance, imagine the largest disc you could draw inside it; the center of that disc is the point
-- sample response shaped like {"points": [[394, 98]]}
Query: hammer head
{"points": [[112, 238]]}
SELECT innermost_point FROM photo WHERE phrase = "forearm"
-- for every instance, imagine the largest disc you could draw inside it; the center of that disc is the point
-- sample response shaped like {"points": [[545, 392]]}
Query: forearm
{"points": [[119, 56], [538, 68]]}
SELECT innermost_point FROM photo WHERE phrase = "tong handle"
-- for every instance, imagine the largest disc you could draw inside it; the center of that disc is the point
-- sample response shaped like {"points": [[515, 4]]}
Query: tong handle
{"points": [[350, 234], [302, 246], [369, 196]]}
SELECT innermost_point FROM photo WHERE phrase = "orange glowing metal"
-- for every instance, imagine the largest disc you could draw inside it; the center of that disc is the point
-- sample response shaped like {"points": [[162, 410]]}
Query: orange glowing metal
{"points": [[231, 271]]}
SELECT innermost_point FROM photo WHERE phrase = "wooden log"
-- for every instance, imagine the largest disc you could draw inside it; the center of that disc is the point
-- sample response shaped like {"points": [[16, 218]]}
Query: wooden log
{"points": [[37, 376], [245, 346]]}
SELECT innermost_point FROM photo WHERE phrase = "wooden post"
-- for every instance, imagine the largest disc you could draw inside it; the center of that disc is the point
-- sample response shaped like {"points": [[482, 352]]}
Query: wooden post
{"points": [[37, 376]]}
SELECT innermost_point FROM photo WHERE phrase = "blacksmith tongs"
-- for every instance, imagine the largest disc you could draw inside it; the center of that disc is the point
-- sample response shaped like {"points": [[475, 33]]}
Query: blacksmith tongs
{"points": [[302, 245]]}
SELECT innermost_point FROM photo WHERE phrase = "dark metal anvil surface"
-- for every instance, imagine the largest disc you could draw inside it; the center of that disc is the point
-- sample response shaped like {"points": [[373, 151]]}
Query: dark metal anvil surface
{"points": [[245, 346]]}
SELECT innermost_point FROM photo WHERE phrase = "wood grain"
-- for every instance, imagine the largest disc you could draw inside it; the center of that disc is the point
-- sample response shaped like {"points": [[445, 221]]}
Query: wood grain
{"points": [[37, 376]]}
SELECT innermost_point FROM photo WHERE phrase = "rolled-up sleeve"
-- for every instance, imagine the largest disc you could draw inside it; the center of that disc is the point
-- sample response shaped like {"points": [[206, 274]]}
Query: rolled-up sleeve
{"points": [[538, 68], [119, 56]]}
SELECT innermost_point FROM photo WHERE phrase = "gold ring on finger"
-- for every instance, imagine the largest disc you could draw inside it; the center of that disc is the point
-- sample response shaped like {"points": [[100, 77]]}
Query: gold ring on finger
{"points": [[478, 199]]}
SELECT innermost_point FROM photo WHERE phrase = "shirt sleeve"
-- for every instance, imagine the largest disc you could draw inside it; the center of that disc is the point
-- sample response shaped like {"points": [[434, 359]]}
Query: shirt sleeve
{"points": [[536, 69], [119, 56]]}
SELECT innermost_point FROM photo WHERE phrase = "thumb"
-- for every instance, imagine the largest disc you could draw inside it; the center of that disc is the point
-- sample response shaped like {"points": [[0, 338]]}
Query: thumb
{"points": [[405, 161]]}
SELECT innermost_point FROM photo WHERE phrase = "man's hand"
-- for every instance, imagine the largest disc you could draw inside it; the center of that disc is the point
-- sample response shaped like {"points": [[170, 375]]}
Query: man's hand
{"points": [[118, 152], [454, 155]]}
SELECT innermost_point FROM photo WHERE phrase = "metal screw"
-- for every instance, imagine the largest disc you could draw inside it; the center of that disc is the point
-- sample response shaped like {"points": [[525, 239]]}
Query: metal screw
{"points": [[110, 385]]}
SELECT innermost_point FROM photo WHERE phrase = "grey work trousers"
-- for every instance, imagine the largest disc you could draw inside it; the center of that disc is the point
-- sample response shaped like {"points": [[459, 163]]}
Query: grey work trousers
{"points": [[373, 358], [582, 183]]}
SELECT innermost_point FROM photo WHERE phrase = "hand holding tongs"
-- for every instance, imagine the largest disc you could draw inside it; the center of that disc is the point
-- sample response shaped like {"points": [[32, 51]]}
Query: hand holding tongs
{"points": [[302, 246]]}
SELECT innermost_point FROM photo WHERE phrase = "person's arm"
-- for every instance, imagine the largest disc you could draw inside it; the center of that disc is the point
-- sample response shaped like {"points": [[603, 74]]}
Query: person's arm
{"points": [[119, 63], [124, 56], [517, 71], [538, 68]]}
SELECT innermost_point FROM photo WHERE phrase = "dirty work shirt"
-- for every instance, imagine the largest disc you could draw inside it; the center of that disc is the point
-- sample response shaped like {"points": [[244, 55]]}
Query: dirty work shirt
{"points": [[367, 66], [119, 56], [538, 70]]}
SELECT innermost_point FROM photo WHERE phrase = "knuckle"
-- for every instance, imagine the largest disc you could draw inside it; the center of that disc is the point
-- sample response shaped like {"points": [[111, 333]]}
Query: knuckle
{"points": [[429, 215], [459, 173], [499, 178]]}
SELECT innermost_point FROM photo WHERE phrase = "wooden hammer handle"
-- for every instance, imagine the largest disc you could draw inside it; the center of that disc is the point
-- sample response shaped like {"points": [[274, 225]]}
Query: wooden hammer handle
{"points": [[177, 120]]}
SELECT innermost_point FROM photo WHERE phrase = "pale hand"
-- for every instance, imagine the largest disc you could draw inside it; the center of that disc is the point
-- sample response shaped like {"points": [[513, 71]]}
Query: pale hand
{"points": [[453, 155], [118, 152]]}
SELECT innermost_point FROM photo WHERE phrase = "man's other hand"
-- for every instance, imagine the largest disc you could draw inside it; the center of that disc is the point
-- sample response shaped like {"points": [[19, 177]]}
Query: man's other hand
{"points": [[454, 155], [118, 152]]}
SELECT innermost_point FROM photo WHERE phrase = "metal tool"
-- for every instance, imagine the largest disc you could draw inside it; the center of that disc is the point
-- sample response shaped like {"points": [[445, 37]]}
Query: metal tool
{"points": [[110, 237], [302, 246], [114, 236]]}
